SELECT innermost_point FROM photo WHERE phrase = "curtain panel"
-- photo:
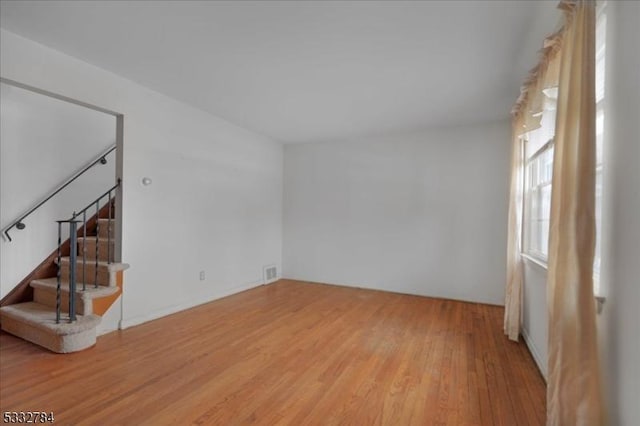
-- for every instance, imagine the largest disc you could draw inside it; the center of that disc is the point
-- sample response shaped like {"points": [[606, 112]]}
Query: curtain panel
{"points": [[513, 293], [574, 391]]}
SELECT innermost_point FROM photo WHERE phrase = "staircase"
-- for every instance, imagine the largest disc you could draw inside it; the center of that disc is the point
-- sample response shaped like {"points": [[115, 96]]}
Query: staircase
{"points": [[60, 318]]}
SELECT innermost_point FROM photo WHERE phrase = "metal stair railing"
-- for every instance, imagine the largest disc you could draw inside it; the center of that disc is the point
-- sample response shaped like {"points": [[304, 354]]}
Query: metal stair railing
{"points": [[73, 254]]}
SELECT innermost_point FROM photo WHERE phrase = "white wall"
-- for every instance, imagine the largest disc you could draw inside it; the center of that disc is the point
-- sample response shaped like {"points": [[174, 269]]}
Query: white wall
{"points": [[216, 199], [620, 322], [43, 142], [421, 214], [534, 312]]}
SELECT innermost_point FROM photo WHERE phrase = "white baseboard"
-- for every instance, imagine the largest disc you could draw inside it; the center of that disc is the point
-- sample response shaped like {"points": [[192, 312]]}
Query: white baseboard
{"points": [[163, 312], [107, 330], [534, 352], [409, 292]]}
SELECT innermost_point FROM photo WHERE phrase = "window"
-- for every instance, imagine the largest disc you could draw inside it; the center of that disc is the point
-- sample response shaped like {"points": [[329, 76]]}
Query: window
{"points": [[538, 152]]}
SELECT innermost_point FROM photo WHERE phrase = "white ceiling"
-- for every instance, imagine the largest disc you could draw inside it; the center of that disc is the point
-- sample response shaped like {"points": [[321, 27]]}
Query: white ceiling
{"points": [[308, 71]]}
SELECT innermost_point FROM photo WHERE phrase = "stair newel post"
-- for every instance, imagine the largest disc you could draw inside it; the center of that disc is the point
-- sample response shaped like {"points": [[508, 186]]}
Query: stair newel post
{"points": [[59, 272], [84, 250], [73, 259], [95, 281]]}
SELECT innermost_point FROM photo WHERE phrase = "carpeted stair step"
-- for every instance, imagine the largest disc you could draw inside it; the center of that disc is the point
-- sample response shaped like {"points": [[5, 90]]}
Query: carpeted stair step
{"points": [[106, 271], [105, 225], [36, 323], [45, 292], [88, 247]]}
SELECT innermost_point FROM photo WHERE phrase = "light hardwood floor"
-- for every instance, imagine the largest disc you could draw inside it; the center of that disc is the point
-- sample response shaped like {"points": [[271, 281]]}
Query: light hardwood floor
{"points": [[289, 353]]}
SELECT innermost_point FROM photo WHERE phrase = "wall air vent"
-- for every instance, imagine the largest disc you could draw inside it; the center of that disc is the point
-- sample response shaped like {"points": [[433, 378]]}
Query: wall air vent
{"points": [[270, 274]]}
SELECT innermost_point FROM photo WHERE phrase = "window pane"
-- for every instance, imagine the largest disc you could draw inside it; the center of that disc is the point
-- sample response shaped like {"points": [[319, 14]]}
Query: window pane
{"points": [[547, 166], [601, 32], [598, 212], [545, 202], [537, 203], [599, 134], [544, 237]]}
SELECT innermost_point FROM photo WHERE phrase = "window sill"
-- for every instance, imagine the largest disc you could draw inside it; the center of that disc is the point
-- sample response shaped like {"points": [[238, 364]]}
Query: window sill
{"points": [[600, 300], [541, 263]]}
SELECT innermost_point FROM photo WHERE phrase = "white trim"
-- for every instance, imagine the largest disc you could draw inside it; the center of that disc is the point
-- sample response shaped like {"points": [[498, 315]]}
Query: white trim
{"points": [[192, 303], [542, 264], [547, 145], [534, 352], [535, 260]]}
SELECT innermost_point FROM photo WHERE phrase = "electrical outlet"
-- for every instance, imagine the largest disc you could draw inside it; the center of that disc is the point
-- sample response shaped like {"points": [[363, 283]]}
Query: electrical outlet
{"points": [[201, 275]]}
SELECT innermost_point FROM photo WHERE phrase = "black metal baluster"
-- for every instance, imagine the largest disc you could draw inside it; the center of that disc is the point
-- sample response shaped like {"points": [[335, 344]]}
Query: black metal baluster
{"points": [[95, 281], [73, 261], [109, 231], [59, 272], [84, 250]]}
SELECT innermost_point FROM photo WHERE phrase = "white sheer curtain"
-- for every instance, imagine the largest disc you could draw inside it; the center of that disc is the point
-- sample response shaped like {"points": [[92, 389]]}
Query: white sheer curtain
{"points": [[527, 115]]}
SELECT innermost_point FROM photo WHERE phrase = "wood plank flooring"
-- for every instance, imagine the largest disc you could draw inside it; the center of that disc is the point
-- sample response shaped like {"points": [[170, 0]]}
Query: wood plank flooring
{"points": [[289, 353]]}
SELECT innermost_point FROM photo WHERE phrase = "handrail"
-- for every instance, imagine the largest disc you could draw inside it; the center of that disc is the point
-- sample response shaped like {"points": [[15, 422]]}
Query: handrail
{"points": [[18, 224]]}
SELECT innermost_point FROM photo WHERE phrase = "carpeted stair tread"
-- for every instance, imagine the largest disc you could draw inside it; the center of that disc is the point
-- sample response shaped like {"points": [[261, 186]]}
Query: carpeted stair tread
{"points": [[44, 318], [106, 230], [51, 284], [112, 267], [92, 239]]}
